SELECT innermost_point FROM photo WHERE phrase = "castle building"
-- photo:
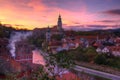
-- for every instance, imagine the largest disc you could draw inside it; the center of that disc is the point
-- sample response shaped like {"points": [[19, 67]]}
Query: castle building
{"points": [[48, 35], [56, 30]]}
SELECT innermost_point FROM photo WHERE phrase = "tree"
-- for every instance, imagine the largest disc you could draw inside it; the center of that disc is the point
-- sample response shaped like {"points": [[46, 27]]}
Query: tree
{"points": [[82, 54], [64, 60], [77, 54], [100, 59], [40, 74], [57, 36], [5, 32], [58, 63], [35, 41], [90, 53]]}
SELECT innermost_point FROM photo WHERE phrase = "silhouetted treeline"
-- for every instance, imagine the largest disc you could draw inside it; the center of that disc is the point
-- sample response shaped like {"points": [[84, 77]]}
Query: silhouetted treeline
{"points": [[5, 31], [115, 32]]}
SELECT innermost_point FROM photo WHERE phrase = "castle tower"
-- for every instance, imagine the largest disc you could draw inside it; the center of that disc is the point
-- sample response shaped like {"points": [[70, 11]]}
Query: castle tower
{"points": [[59, 24], [48, 35]]}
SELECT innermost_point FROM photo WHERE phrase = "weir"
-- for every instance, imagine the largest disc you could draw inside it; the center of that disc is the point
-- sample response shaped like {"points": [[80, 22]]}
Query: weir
{"points": [[17, 47], [15, 37]]}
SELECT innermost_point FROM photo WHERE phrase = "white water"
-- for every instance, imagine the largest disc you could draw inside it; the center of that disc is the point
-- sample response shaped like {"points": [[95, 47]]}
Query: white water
{"points": [[17, 36]]}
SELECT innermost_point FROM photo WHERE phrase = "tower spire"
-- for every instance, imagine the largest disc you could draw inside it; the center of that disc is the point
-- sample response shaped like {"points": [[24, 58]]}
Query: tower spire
{"points": [[59, 23], [59, 14]]}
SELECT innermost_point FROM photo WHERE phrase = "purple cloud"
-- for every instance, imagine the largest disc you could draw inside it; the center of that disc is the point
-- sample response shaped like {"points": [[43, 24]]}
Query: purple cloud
{"points": [[90, 27], [18, 25], [108, 21], [112, 12]]}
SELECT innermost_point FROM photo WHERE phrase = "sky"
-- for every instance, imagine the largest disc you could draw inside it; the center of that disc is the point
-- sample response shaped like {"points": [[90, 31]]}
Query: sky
{"points": [[82, 14]]}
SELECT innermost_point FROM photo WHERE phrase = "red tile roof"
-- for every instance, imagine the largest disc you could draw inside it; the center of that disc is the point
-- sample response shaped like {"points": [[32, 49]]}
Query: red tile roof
{"points": [[90, 37], [68, 76], [55, 43], [114, 48]]}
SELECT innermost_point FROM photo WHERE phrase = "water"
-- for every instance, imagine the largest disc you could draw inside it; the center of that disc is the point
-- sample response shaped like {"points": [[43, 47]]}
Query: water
{"points": [[43, 58]]}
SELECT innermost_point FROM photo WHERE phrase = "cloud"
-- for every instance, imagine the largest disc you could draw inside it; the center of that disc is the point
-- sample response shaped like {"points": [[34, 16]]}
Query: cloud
{"points": [[112, 12], [75, 22], [65, 4], [108, 21], [90, 27], [18, 25]]}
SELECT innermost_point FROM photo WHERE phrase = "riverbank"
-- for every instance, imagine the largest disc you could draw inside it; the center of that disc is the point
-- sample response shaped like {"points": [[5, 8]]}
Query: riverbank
{"points": [[99, 68]]}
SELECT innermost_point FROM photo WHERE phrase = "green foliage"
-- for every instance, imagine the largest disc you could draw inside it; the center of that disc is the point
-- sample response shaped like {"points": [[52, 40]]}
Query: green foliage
{"points": [[5, 31], [111, 62], [81, 54], [35, 41], [90, 53], [57, 36], [100, 59], [107, 60], [114, 62], [64, 60], [40, 74], [78, 54]]}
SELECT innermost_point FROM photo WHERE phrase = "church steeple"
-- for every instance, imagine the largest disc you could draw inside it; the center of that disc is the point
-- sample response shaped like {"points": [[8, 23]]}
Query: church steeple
{"points": [[59, 23], [59, 16]]}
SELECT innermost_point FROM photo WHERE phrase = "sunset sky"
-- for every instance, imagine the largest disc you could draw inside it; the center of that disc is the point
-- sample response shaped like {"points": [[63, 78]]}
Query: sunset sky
{"points": [[88, 14]]}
